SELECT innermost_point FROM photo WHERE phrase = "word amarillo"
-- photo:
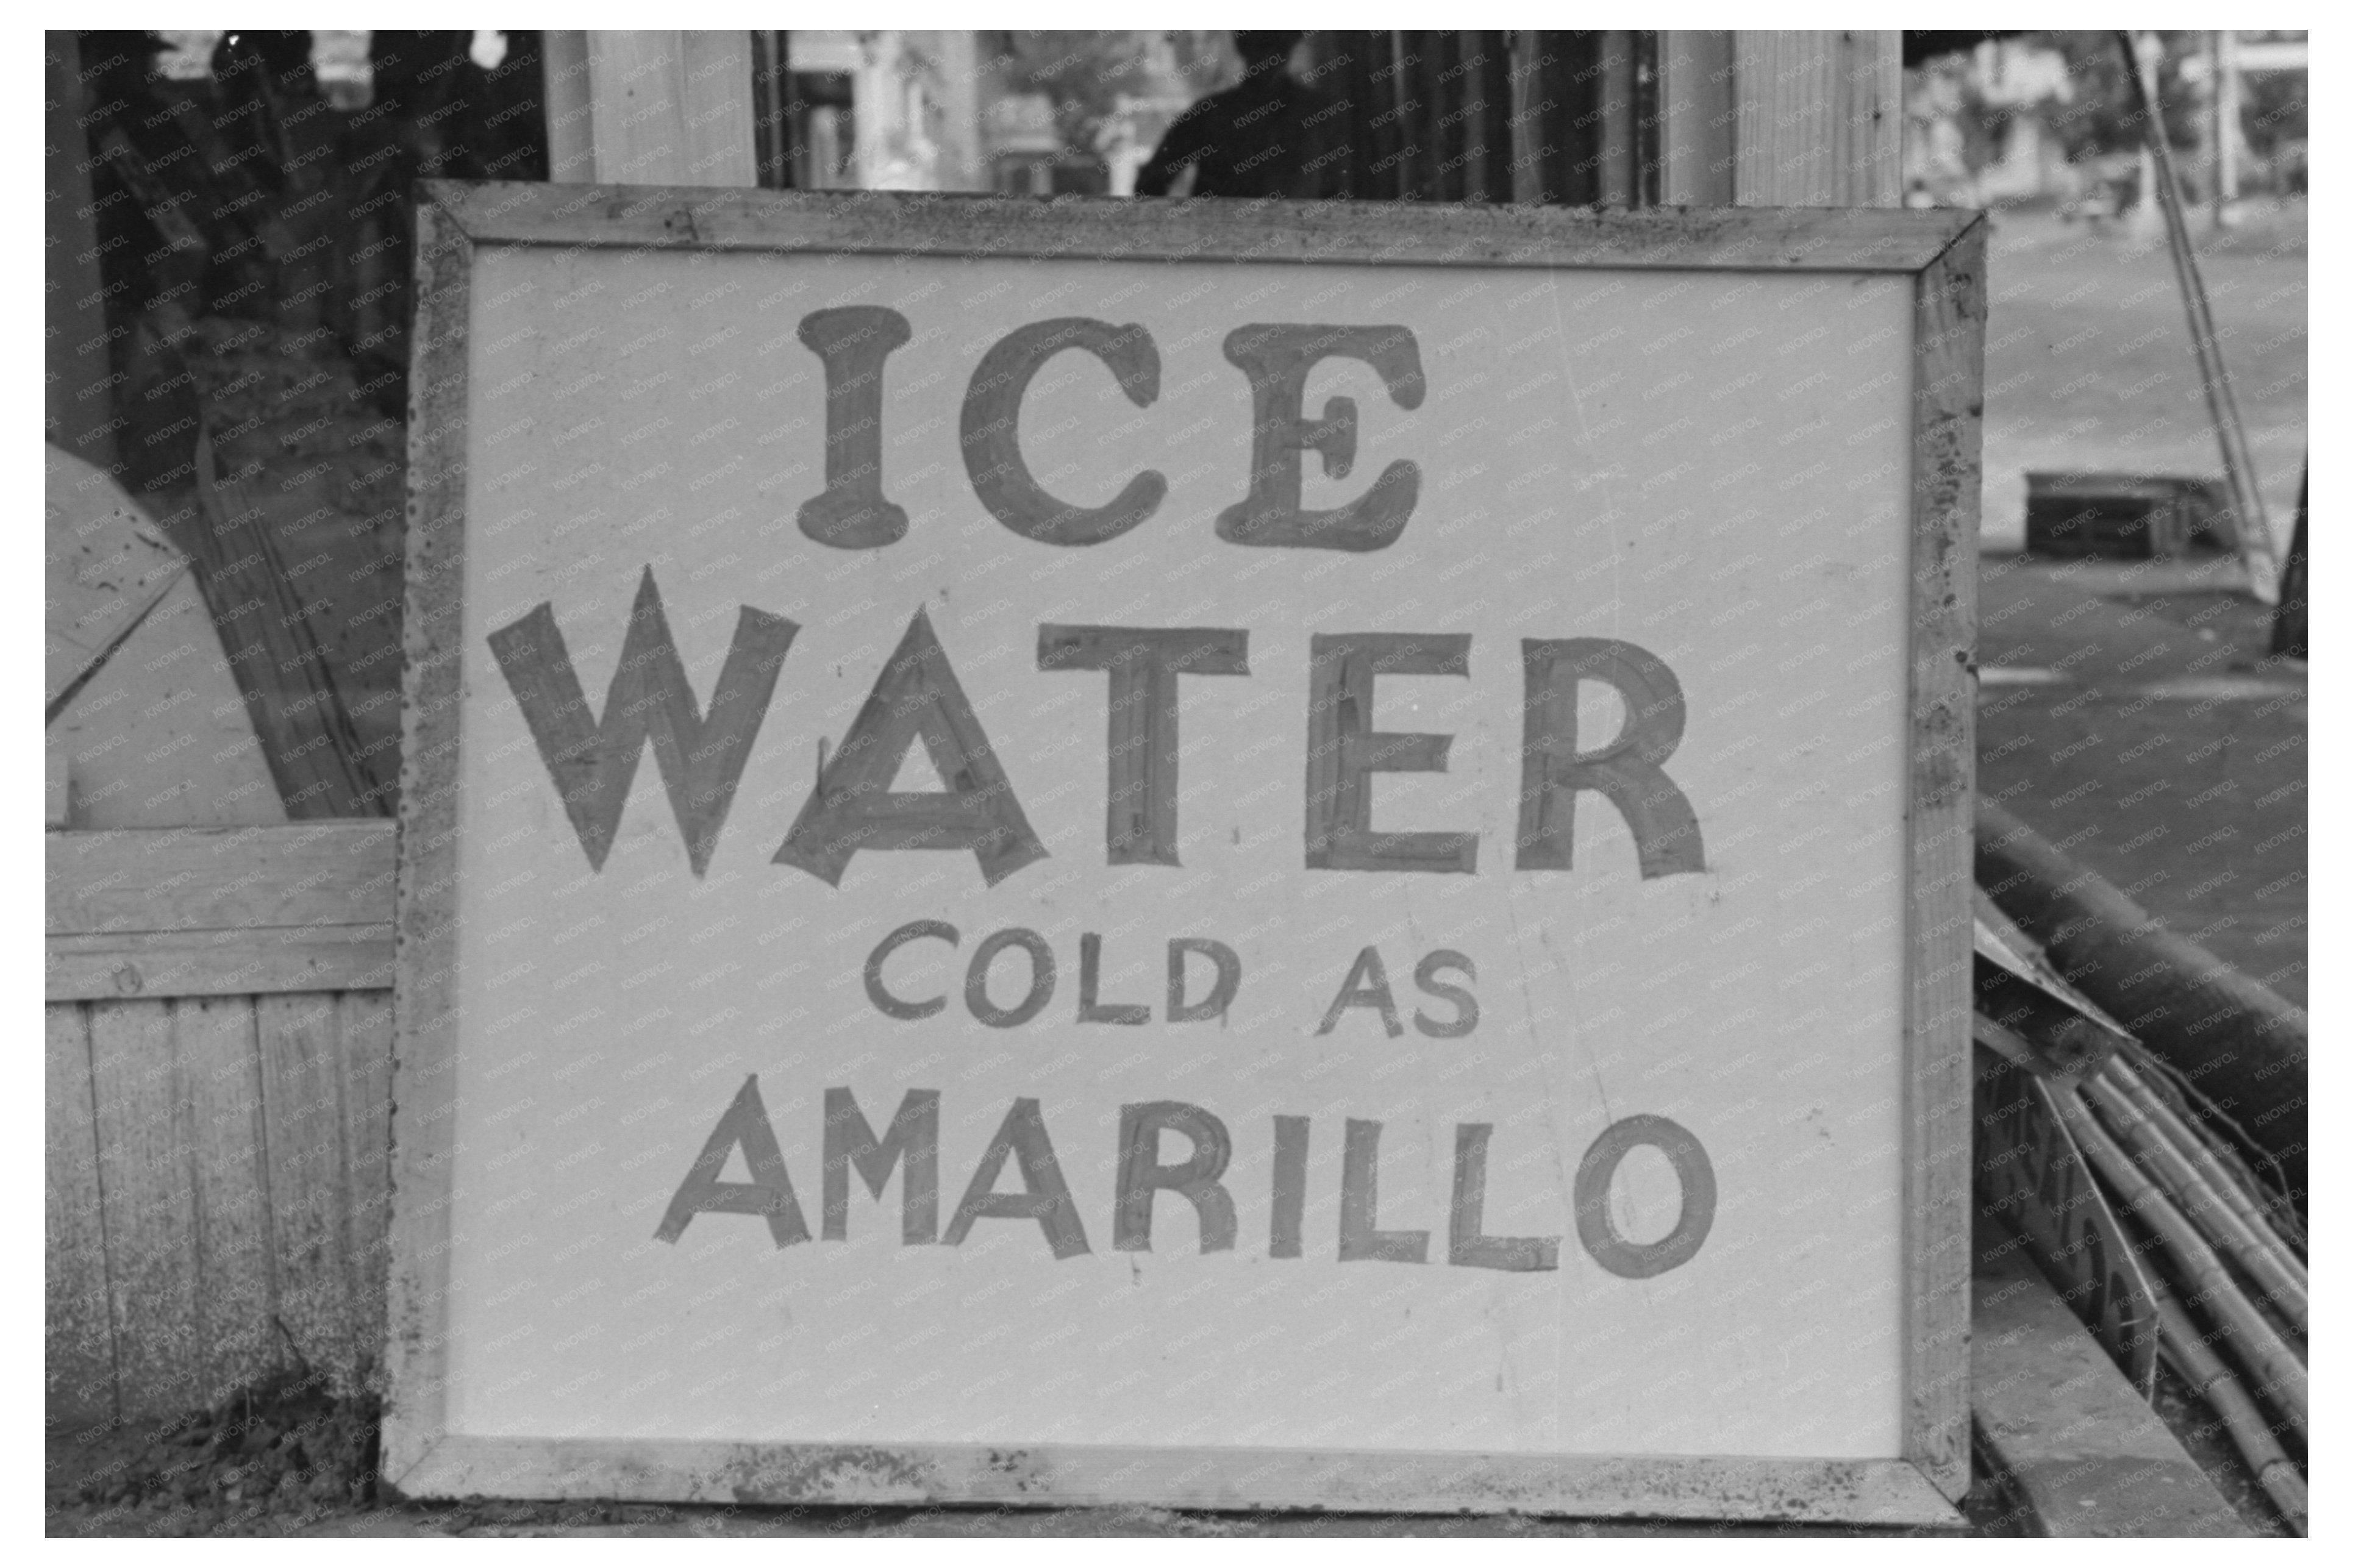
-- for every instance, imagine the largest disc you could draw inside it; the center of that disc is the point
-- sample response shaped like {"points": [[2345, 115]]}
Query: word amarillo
{"points": [[593, 759], [912, 1147]]}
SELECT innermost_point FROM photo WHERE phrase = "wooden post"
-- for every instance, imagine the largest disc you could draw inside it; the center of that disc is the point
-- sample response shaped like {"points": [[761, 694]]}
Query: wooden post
{"points": [[2222, 99], [79, 411], [649, 107], [1619, 183], [1821, 119], [1698, 114], [771, 107]]}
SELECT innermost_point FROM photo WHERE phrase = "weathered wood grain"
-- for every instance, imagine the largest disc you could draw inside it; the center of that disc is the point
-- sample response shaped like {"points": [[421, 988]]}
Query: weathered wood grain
{"points": [[235, 1297], [364, 1029], [220, 911], [303, 874], [423, 1050], [309, 1182], [1698, 110], [314, 754], [1947, 348], [265, 960], [80, 1331], [643, 104], [150, 1205], [1820, 118], [1855, 239], [1878, 1491]]}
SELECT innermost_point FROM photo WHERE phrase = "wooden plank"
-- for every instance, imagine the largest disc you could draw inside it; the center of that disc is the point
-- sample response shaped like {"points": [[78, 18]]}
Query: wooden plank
{"points": [[1620, 170], [235, 1294], [425, 1055], [1527, 70], [1571, 129], [148, 1206], [78, 415], [1495, 116], [1322, 233], [1697, 115], [299, 1044], [1948, 351], [1877, 1491], [673, 107], [364, 1028], [1425, 123], [307, 874], [107, 567], [2086, 1453], [283, 671], [80, 1331], [1820, 118], [263, 961], [57, 786], [158, 736]]}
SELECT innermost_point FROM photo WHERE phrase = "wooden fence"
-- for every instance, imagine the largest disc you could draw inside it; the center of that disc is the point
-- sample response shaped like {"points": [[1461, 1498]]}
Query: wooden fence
{"points": [[218, 1086]]}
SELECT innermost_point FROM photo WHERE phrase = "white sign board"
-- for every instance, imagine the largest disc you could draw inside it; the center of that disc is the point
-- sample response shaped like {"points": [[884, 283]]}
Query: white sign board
{"points": [[1057, 854]]}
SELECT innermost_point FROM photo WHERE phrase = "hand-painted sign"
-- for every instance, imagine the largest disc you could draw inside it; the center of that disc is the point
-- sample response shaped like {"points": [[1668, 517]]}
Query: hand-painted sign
{"points": [[1146, 966]]}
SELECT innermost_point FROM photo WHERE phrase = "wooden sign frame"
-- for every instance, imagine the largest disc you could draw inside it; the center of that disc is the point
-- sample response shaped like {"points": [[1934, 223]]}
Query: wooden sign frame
{"points": [[1941, 252]]}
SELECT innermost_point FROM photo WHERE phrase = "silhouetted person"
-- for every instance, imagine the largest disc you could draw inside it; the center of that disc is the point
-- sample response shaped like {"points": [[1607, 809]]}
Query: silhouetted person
{"points": [[1266, 136]]}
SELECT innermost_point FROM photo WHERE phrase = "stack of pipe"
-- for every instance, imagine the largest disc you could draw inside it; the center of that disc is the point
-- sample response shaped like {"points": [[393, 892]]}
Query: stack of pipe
{"points": [[2224, 1254], [2155, 1062]]}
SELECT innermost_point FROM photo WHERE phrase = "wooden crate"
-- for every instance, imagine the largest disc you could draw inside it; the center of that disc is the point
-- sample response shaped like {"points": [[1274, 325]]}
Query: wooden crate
{"points": [[218, 1090], [2126, 516]]}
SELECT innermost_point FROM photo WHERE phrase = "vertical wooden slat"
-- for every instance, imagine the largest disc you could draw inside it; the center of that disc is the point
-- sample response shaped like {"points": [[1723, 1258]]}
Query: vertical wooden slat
{"points": [[1466, 113], [234, 1299], [1697, 118], [652, 108], [150, 1204], [1821, 118], [1948, 358], [1442, 99], [1418, 114], [1525, 74], [81, 1329], [1496, 114], [364, 1027], [287, 677], [1571, 127], [1620, 159], [416, 1355], [310, 1180], [1382, 175], [1649, 115], [79, 412], [772, 114]]}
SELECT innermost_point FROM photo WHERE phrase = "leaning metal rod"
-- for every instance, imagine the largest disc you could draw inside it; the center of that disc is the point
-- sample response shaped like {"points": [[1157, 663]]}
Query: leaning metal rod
{"points": [[2238, 462]]}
